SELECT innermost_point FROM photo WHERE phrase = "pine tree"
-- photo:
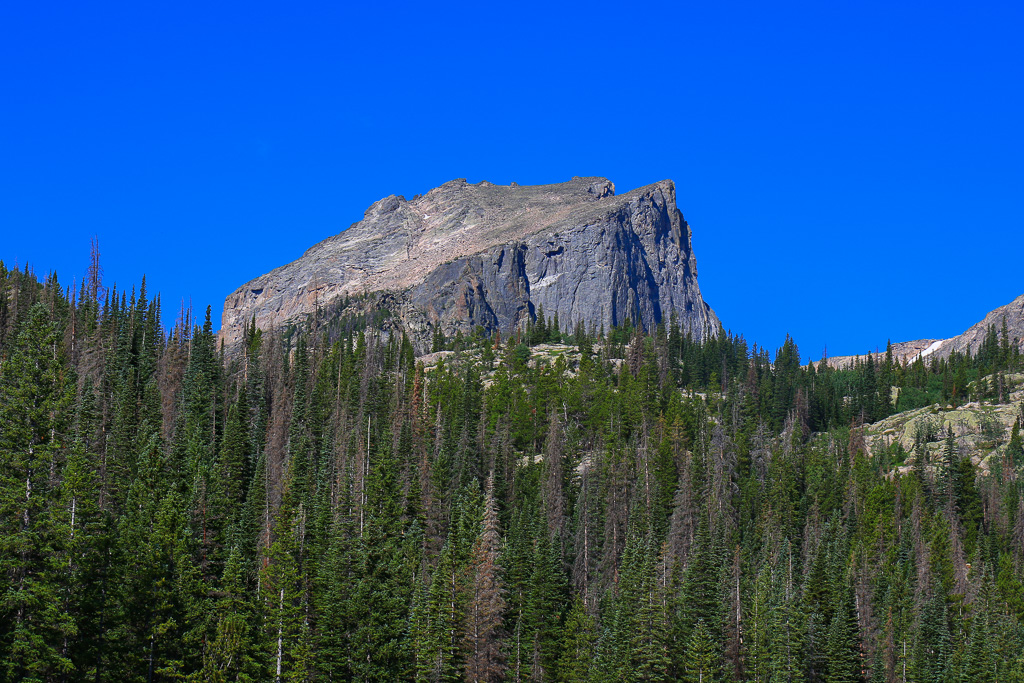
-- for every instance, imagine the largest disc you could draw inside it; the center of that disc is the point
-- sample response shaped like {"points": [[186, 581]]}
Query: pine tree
{"points": [[574, 665], [334, 595], [381, 648], [701, 661], [649, 641], [841, 644], [543, 608], [482, 634], [82, 564], [236, 653], [789, 624], [283, 590], [933, 648], [440, 613], [702, 599], [36, 392], [1015, 449]]}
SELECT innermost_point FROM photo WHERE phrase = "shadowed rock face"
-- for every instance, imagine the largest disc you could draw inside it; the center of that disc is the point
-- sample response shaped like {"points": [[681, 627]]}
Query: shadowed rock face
{"points": [[466, 255]]}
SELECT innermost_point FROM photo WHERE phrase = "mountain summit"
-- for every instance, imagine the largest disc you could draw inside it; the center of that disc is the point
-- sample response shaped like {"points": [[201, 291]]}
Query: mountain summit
{"points": [[1006, 320], [466, 255]]}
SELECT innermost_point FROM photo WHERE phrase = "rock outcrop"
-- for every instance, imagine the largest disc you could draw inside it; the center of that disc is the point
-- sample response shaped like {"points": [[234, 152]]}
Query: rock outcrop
{"points": [[465, 255]]}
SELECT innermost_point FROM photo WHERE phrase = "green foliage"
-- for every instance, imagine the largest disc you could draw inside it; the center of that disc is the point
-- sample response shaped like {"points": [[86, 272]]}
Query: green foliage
{"points": [[700, 662], [36, 393], [312, 505]]}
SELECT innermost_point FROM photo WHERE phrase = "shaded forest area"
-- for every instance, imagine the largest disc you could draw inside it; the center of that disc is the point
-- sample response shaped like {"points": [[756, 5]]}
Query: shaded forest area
{"points": [[558, 506]]}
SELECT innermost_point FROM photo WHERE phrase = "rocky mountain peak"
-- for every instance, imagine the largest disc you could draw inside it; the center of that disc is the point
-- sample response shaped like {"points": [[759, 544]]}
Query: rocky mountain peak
{"points": [[465, 254], [1011, 315]]}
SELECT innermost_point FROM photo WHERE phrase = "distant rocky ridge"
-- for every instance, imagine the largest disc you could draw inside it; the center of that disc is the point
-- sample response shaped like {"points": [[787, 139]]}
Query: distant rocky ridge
{"points": [[464, 255], [1012, 313]]}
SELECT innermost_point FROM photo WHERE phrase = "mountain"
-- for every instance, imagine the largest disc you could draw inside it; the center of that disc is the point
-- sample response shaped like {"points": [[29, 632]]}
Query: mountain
{"points": [[1012, 314], [466, 255]]}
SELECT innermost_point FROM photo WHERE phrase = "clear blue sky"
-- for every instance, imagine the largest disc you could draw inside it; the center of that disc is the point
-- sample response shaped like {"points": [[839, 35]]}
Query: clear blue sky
{"points": [[852, 172]]}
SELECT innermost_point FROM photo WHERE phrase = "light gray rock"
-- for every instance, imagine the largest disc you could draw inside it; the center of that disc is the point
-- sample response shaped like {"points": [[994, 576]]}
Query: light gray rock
{"points": [[466, 255]]}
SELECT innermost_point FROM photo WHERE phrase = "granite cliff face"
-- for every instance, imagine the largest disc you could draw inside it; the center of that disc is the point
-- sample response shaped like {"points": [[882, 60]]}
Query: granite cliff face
{"points": [[465, 255]]}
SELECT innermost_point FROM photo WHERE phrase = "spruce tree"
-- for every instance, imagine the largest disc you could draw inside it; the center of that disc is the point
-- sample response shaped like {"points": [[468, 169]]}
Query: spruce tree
{"points": [[577, 658], [701, 661], [36, 393]]}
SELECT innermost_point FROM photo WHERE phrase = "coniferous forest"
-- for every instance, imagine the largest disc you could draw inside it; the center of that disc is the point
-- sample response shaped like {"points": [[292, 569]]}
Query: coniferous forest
{"points": [[555, 505]]}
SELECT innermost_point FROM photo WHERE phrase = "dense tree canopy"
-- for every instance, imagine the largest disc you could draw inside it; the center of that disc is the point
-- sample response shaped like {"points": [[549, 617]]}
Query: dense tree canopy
{"points": [[556, 505]]}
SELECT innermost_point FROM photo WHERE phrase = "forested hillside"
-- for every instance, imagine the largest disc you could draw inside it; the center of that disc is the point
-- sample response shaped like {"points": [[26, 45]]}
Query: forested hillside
{"points": [[561, 505]]}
